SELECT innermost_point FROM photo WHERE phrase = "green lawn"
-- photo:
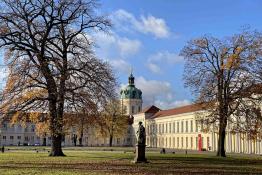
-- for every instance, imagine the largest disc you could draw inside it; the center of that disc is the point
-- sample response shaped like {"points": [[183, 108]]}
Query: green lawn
{"points": [[81, 161]]}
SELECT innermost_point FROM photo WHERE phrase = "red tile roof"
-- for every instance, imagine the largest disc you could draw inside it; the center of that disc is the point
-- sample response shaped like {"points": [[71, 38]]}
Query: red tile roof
{"points": [[179, 110], [150, 109]]}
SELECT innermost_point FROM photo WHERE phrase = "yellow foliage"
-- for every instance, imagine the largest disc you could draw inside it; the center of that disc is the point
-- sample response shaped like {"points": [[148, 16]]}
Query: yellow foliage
{"points": [[11, 82], [15, 117], [232, 61], [42, 128], [34, 116], [238, 50], [113, 120]]}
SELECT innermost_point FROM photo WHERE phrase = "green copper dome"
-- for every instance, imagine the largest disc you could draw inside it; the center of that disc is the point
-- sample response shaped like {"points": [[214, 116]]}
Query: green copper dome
{"points": [[131, 92]]}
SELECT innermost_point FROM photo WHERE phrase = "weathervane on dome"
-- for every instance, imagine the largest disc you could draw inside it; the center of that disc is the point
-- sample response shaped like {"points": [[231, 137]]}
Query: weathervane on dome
{"points": [[131, 70], [131, 79]]}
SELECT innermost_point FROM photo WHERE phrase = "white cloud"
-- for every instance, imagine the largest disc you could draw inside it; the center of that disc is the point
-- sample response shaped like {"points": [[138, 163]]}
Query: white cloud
{"points": [[171, 104], [112, 45], [120, 65], [156, 60], [104, 39], [159, 93], [153, 88], [145, 24], [128, 46], [154, 68], [123, 20], [116, 50], [153, 25], [166, 56]]}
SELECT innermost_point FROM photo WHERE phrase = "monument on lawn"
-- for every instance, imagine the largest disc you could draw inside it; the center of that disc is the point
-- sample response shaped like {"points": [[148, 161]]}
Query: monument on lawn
{"points": [[141, 146]]}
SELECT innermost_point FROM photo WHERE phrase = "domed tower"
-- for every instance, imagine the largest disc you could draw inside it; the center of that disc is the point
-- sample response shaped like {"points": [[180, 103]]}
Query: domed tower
{"points": [[131, 97]]}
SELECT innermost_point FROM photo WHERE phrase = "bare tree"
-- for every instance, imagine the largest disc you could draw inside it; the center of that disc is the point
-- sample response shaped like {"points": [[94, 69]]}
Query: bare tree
{"points": [[256, 69], [112, 122], [50, 59], [218, 73]]}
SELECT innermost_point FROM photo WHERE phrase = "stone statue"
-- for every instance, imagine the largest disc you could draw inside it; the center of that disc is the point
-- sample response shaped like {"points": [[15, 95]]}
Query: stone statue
{"points": [[141, 134], [141, 145]]}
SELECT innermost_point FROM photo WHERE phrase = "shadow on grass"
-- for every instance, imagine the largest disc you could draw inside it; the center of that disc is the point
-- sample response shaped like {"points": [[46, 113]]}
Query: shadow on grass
{"points": [[216, 160], [77, 167], [159, 164], [125, 167]]}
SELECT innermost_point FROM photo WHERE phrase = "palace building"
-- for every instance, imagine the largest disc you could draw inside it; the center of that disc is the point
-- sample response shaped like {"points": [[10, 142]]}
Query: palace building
{"points": [[177, 128], [180, 128]]}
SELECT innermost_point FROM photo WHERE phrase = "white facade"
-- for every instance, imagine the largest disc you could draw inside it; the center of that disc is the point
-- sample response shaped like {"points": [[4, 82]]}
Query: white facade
{"points": [[132, 106], [182, 131], [18, 134]]}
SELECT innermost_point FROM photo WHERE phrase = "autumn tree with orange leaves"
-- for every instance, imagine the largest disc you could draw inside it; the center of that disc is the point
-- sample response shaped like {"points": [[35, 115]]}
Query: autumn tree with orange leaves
{"points": [[112, 122], [80, 121], [220, 75], [51, 63]]}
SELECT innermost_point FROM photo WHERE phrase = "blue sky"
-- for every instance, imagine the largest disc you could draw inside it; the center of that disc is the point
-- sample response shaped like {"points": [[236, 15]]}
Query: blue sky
{"points": [[148, 36]]}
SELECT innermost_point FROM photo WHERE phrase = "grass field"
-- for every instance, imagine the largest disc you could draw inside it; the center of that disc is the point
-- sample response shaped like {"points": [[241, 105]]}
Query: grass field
{"points": [[83, 161]]}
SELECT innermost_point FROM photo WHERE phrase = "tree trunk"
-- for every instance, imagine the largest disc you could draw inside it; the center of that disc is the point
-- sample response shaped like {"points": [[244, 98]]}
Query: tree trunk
{"points": [[81, 139], [221, 142], [44, 141], [75, 142], [57, 105], [56, 130], [221, 138], [81, 132], [110, 140], [223, 112], [56, 149]]}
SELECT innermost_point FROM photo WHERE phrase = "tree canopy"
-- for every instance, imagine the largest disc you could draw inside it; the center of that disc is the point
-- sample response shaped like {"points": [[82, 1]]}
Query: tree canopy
{"points": [[112, 122], [51, 63], [220, 74]]}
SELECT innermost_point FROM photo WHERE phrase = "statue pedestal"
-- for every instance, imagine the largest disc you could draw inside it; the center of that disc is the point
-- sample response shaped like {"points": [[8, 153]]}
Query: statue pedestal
{"points": [[140, 154]]}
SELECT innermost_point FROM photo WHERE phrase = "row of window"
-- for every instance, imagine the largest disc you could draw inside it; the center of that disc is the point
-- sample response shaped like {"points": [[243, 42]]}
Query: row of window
{"points": [[180, 142], [18, 128], [175, 127], [27, 138], [133, 109]]}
